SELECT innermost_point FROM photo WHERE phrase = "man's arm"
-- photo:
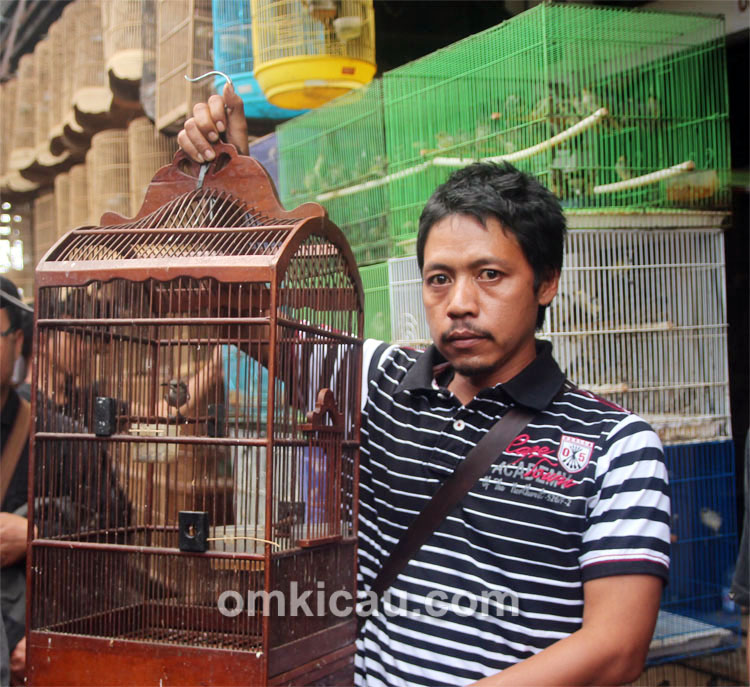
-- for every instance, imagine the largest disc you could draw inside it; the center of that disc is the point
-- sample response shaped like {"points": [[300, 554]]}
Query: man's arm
{"points": [[13, 530], [619, 616]]}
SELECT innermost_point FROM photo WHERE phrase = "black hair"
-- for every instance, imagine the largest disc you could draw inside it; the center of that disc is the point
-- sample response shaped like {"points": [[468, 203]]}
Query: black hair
{"points": [[15, 313], [522, 205]]}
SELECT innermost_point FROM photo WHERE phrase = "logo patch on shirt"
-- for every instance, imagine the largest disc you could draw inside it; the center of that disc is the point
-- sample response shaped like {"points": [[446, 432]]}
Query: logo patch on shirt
{"points": [[574, 453]]}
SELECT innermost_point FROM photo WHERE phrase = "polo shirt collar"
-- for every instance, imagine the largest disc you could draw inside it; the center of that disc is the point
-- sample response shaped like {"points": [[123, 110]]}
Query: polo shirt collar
{"points": [[533, 387]]}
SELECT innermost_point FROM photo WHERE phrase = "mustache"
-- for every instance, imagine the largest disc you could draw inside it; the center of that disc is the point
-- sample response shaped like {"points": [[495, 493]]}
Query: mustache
{"points": [[463, 327]]}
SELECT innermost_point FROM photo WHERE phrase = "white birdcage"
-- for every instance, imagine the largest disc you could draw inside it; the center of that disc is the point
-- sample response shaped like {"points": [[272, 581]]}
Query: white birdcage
{"points": [[640, 317]]}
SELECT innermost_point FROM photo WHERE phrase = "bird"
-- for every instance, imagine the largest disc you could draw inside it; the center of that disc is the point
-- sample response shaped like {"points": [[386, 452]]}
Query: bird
{"points": [[622, 168], [711, 519], [177, 394]]}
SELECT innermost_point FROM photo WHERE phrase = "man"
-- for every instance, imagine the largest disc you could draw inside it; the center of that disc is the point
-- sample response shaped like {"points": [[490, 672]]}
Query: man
{"points": [[14, 454], [571, 523]]}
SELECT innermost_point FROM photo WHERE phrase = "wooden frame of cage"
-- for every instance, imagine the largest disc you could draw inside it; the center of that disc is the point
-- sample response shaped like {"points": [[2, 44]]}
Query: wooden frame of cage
{"points": [[73, 653], [180, 25]]}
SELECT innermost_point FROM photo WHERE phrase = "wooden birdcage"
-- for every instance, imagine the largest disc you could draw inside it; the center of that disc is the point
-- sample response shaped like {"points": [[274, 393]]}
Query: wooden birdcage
{"points": [[184, 35], [108, 174], [309, 52], [147, 91], [91, 95], [24, 116], [45, 164], [148, 150], [57, 68], [62, 203], [123, 52], [78, 206], [7, 107], [45, 224], [203, 444], [73, 135]]}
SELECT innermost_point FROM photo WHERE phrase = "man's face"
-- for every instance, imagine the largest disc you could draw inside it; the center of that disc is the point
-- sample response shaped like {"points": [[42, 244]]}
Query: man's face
{"points": [[10, 350], [478, 292]]}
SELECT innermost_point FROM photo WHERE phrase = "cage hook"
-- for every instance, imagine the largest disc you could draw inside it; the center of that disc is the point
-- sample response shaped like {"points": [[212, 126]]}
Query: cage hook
{"points": [[214, 72]]}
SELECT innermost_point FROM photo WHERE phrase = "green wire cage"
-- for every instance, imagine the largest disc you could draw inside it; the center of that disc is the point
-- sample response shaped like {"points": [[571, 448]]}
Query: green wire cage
{"points": [[616, 110], [611, 108], [335, 155]]}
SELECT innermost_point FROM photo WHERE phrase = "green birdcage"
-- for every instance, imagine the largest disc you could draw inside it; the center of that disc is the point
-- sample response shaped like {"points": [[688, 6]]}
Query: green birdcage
{"points": [[375, 283], [335, 155], [613, 109]]}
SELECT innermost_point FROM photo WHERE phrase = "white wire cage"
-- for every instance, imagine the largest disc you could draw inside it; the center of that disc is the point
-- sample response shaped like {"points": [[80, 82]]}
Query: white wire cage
{"points": [[640, 317]]}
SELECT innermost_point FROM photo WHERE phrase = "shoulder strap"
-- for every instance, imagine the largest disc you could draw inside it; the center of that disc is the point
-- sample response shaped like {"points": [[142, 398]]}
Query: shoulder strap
{"points": [[450, 492], [13, 447]]}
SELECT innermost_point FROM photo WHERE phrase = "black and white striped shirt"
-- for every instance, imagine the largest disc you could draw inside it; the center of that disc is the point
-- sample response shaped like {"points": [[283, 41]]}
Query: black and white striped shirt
{"points": [[581, 493]]}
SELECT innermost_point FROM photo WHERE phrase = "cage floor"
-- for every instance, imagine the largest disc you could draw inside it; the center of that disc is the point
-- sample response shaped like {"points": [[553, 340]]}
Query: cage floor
{"points": [[198, 638], [681, 635]]}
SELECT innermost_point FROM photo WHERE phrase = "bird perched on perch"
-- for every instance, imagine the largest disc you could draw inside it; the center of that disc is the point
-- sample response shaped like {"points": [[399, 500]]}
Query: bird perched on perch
{"points": [[176, 395], [322, 10]]}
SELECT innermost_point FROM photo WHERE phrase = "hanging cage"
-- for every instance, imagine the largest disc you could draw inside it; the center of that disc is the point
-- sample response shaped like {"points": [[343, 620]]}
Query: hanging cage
{"points": [[62, 204], [108, 173], [307, 52], [148, 150], [184, 36], [45, 224], [78, 205], [233, 55], [199, 371], [123, 49]]}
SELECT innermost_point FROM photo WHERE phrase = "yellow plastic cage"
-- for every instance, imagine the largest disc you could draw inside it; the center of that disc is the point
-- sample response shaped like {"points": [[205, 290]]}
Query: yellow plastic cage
{"points": [[307, 52]]}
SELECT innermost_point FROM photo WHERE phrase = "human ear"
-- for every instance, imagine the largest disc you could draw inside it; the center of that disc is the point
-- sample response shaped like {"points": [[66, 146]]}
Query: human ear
{"points": [[548, 288]]}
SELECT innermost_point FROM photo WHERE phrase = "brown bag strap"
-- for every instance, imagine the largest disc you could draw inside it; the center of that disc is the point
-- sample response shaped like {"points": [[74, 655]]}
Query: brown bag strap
{"points": [[450, 492], [14, 446]]}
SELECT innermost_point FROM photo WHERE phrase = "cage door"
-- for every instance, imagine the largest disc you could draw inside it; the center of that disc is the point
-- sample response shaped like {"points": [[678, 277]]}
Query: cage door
{"points": [[325, 430]]}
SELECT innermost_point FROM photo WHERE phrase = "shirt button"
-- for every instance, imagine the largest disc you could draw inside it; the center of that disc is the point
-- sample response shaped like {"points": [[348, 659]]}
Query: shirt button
{"points": [[458, 425]]}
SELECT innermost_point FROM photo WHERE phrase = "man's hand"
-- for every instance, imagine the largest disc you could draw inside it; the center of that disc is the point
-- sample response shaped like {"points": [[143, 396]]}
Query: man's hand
{"points": [[13, 529], [220, 114], [18, 663]]}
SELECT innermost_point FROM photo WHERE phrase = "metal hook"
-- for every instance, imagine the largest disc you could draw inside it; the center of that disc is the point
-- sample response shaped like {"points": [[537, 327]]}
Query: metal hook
{"points": [[211, 73]]}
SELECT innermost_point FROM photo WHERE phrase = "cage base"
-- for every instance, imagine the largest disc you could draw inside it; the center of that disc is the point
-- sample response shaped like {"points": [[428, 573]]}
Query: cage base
{"points": [[64, 660]]}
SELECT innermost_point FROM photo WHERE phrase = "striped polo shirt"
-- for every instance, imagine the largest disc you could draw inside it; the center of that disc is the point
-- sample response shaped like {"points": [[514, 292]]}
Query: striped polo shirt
{"points": [[581, 493]]}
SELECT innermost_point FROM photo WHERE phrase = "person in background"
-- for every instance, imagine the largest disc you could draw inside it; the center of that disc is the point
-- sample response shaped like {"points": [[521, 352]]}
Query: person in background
{"points": [[572, 519], [15, 418], [23, 369]]}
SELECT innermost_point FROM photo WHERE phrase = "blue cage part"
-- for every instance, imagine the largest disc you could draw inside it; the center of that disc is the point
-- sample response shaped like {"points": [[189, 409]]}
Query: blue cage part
{"points": [[697, 616], [233, 55], [266, 151]]}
